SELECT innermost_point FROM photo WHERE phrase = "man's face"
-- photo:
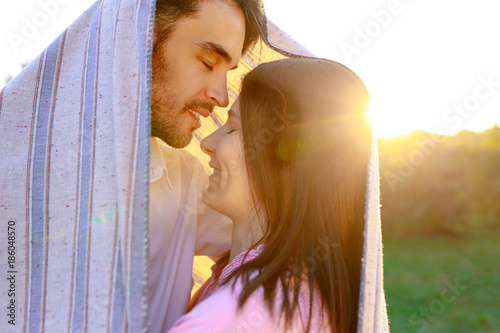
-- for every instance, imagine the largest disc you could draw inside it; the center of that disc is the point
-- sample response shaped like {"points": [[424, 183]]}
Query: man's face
{"points": [[189, 70]]}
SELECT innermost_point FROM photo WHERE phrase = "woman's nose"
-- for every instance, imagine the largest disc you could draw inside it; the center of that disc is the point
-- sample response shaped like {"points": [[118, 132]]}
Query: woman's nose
{"points": [[208, 144]]}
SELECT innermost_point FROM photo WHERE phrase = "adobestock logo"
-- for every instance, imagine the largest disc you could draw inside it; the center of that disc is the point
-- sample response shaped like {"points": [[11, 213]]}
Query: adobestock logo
{"points": [[460, 111], [371, 29], [32, 24], [449, 294], [267, 134], [452, 116]]}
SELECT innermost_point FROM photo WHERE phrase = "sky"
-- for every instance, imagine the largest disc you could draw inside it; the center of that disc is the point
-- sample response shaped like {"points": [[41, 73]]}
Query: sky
{"points": [[429, 65]]}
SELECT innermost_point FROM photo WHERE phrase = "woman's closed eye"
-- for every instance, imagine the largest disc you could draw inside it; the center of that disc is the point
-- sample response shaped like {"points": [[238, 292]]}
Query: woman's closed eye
{"points": [[231, 131]]}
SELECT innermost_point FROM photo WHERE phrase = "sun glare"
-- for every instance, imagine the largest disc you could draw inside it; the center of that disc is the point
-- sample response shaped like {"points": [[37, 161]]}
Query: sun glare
{"points": [[387, 121]]}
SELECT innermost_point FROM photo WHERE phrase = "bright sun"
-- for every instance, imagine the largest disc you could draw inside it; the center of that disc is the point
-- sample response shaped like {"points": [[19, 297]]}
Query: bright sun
{"points": [[387, 120]]}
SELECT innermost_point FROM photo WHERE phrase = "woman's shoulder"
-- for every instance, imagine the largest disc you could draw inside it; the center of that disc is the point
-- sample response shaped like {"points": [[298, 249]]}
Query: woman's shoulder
{"points": [[220, 313]]}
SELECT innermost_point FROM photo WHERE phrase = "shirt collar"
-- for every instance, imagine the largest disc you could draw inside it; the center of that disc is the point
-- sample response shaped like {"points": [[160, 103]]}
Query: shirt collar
{"points": [[157, 166], [221, 273]]}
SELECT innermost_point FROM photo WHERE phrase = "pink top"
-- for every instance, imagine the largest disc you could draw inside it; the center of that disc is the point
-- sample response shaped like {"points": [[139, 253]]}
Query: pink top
{"points": [[218, 308]]}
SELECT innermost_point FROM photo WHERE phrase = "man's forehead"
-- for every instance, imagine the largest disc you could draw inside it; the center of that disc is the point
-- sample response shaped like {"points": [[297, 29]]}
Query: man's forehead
{"points": [[220, 26]]}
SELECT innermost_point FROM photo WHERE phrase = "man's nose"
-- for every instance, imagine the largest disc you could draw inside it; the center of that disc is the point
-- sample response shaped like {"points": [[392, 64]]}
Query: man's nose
{"points": [[217, 91]]}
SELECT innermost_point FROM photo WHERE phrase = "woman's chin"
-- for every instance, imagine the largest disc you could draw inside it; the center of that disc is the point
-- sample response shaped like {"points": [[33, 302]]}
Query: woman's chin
{"points": [[209, 198], [214, 205], [216, 201]]}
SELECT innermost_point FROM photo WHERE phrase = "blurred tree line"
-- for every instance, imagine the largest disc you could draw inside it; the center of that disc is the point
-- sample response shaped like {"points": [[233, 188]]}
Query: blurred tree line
{"points": [[440, 185]]}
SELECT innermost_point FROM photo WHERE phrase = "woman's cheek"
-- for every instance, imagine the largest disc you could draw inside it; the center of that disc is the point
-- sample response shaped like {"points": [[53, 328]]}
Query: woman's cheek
{"points": [[235, 168]]}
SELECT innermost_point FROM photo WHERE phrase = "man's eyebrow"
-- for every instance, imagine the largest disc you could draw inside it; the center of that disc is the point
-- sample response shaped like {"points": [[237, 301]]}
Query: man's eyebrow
{"points": [[216, 49]]}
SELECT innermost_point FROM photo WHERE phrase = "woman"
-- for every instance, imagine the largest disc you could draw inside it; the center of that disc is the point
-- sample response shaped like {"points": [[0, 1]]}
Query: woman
{"points": [[290, 170]]}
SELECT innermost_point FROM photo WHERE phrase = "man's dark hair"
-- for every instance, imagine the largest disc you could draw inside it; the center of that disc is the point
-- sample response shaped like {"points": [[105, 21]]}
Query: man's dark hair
{"points": [[169, 12]]}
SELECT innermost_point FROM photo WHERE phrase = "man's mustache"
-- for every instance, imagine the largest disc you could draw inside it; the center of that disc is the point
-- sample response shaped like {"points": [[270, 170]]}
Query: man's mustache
{"points": [[200, 105]]}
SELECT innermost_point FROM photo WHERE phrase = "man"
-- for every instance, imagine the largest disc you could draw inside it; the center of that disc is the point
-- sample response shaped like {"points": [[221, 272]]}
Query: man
{"points": [[195, 44]]}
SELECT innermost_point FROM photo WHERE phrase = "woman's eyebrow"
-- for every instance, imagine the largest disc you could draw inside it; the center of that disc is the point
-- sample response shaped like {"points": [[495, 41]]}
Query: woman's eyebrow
{"points": [[232, 114]]}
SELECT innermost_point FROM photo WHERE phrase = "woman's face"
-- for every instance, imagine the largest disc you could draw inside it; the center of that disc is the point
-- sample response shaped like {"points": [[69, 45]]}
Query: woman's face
{"points": [[228, 190]]}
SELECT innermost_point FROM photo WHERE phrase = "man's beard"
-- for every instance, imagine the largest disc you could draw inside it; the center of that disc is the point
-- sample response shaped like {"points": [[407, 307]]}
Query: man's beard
{"points": [[168, 119], [165, 110], [168, 127]]}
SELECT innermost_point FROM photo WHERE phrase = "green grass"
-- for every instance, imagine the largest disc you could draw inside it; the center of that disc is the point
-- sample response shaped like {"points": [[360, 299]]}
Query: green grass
{"points": [[418, 273]]}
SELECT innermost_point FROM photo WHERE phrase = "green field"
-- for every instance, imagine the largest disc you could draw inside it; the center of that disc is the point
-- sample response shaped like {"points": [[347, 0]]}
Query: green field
{"points": [[443, 284]]}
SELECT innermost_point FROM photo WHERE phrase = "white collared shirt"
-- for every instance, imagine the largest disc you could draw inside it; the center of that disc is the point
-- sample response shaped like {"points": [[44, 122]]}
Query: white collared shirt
{"points": [[180, 226]]}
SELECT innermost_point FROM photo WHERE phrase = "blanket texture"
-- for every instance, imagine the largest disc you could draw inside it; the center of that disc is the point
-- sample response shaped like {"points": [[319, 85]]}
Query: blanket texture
{"points": [[74, 156], [73, 175]]}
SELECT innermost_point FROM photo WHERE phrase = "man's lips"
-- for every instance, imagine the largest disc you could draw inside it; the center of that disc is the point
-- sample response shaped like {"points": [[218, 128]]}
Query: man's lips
{"points": [[204, 112], [195, 118]]}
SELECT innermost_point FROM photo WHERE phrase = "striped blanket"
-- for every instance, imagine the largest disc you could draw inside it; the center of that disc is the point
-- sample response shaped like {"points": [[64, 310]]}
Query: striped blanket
{"points": [[74, 128], [74, 154]]}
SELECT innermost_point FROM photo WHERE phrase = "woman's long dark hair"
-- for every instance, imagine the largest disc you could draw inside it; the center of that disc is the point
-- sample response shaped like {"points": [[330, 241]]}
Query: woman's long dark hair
{"points": [[307, 143]]}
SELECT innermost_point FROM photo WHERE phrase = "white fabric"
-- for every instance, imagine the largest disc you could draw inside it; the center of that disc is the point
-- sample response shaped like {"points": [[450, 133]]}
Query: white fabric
{"points": [[372, 315], [74, 146], [180, 225], [75, 128], [372, 307]]}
